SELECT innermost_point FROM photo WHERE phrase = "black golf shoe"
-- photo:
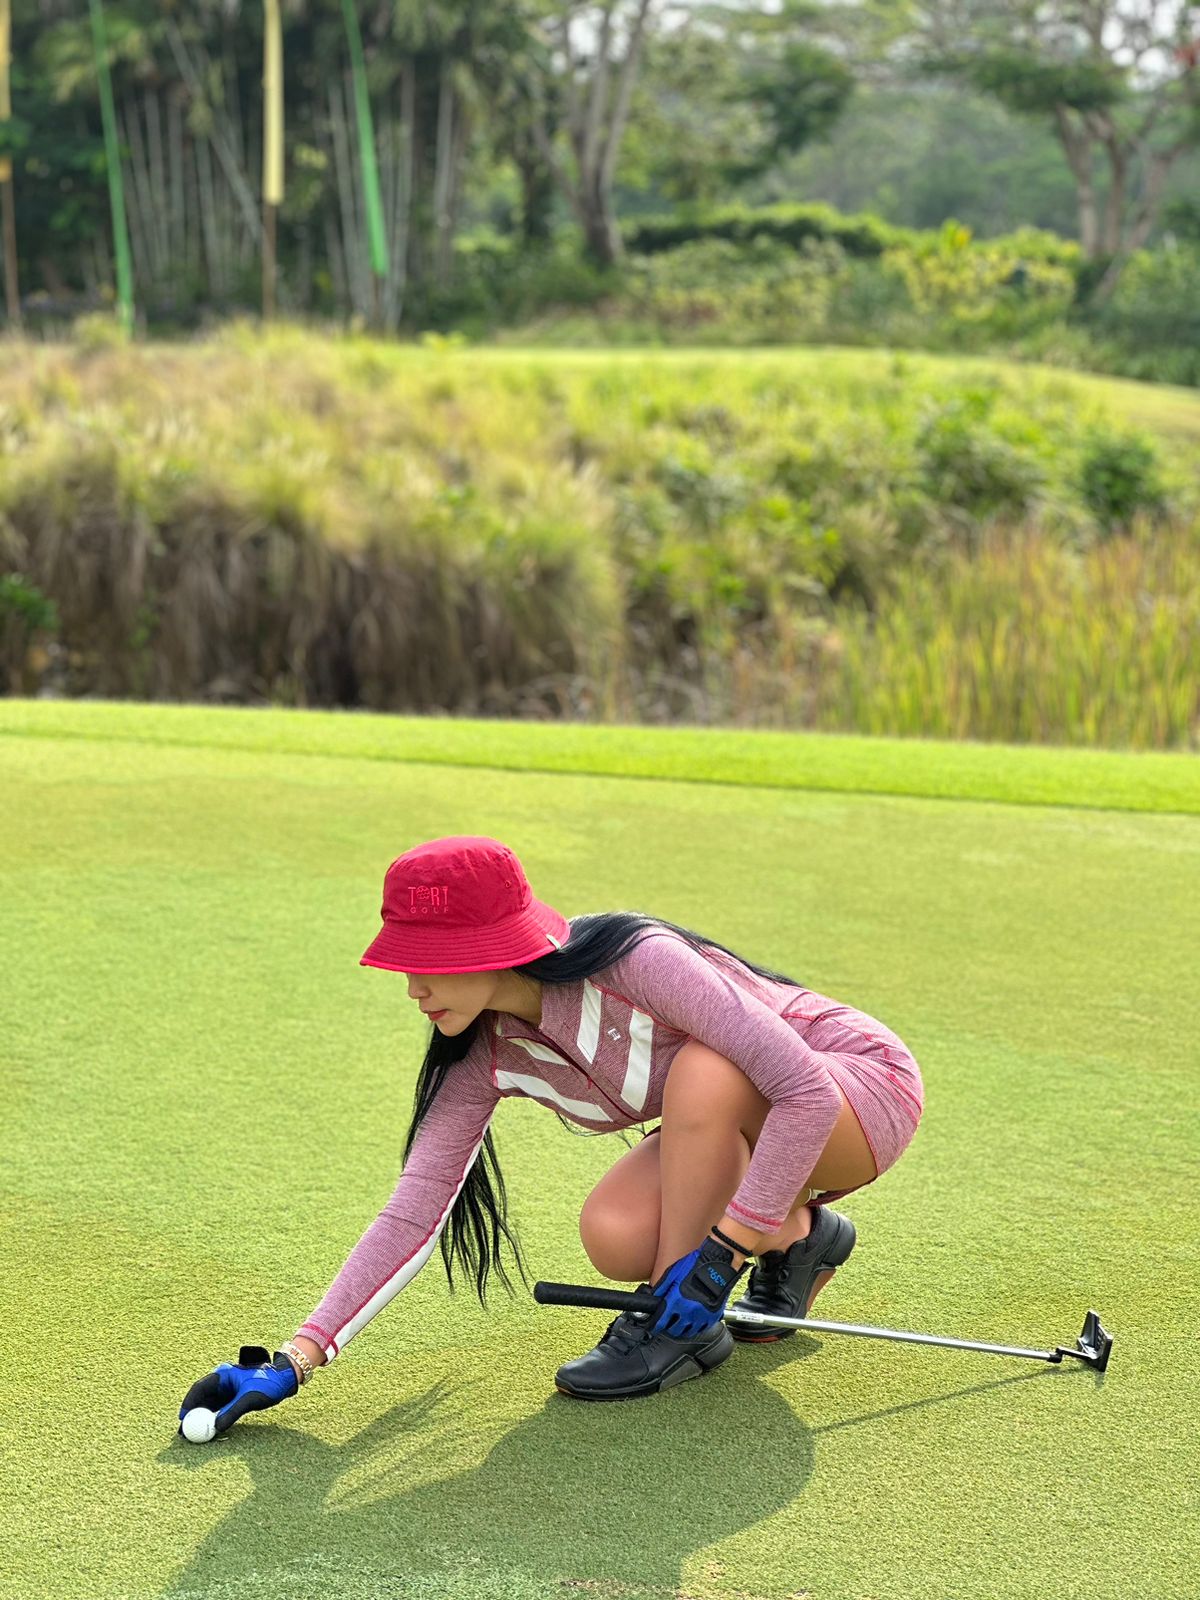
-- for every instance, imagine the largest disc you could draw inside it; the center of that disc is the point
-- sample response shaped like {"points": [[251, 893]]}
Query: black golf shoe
{"points": [[630, 1360], [784, 1283]]}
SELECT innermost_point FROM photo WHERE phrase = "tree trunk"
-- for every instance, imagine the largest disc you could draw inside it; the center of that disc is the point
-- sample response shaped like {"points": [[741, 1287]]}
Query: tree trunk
{"points": [[1078, 148], [601, 237], [1114, 210], [1159, 165]]}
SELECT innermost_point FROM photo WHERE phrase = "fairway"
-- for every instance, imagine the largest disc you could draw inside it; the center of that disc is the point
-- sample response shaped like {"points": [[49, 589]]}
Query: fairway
{"points": [[206, 1097]]}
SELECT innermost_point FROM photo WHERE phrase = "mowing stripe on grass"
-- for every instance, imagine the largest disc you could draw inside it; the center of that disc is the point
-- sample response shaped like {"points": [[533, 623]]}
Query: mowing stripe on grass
{"points": [[1030, 775]]}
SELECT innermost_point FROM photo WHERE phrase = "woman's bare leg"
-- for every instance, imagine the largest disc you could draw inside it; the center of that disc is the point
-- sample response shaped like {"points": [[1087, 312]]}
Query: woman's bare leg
{"points": [[660, 1199]]}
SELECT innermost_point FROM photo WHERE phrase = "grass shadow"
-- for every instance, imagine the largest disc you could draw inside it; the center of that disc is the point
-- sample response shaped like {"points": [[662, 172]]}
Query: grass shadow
{"points": [[609, 1498]]}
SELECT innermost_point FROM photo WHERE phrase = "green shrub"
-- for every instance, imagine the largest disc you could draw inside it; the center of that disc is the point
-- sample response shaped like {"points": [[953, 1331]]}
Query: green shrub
{"points": [[1118, 476], [1153, 316], [23, 600], [966, 464], [788, 224]]}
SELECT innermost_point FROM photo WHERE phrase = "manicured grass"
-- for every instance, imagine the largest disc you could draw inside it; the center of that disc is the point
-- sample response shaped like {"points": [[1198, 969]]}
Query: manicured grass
{"points": [[936, 769], [206, 1098]]}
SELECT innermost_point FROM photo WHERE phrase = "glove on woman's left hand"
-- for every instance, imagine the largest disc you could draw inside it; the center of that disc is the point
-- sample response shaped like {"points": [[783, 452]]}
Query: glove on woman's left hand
{"points": [[695, 1289]]}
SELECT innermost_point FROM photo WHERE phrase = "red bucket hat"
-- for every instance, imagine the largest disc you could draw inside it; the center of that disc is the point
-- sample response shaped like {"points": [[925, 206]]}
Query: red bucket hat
{"points": [[461, 904]]}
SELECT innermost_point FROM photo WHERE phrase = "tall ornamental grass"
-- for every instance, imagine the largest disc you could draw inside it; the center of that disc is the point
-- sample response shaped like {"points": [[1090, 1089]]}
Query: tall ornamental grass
{"points": [[1028, 641]]}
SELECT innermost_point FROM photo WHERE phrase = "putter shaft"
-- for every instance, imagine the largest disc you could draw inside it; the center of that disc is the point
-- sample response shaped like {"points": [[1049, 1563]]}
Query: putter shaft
{"points": [[755, 1319], [1092, 1346]]}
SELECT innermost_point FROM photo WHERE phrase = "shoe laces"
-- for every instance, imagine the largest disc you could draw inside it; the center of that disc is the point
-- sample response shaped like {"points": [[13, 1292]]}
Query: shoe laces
{"points": [[771, 1269]]}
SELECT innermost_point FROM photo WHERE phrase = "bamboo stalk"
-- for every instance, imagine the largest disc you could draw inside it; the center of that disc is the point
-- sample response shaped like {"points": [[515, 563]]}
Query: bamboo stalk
{"points": [[220, 141], [229, 79], [441, 167], [272, 178], [246, 245], [208, 215], [8, 210], [302, 295], [361, 239], [161, 214], [178, 234], [408, 118], [140, 195], [337, 260], [193, 227], [462, 133], [398, 195], [116, 193], [348, 197], [8, 220], [386, 166], [143, 271]]}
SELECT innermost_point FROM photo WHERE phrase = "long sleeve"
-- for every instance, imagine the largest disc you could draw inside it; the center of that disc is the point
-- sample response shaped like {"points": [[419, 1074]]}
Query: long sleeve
{"points": [[696, 996], [403, 1236]]}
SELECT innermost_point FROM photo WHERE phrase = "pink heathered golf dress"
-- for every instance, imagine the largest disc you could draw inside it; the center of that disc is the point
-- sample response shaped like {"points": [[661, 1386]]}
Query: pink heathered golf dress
{"points": [[601, 1057]]}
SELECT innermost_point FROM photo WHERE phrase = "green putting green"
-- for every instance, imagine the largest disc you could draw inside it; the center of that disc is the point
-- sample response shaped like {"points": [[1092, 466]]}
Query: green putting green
{"points": [[206, 1098]]}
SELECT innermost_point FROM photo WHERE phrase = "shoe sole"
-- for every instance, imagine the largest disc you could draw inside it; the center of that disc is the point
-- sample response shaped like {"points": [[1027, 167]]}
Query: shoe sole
{"points": [[837, 1255], [689, 1366]]}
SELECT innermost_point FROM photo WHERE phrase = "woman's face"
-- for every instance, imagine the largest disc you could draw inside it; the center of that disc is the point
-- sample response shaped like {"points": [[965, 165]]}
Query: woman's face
{"points": [[463, 995]]}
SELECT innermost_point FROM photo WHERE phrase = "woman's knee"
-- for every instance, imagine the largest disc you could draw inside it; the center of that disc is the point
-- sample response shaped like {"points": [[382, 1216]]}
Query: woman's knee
{"points": [[617, 1243]]}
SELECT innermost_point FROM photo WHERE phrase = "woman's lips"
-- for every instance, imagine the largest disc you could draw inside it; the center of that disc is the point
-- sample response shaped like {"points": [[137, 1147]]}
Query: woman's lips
{"points": [[434, 1015]]}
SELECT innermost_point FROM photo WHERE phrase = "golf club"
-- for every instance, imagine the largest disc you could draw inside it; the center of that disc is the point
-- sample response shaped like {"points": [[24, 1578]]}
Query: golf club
{"points": [[1092, 1346]]}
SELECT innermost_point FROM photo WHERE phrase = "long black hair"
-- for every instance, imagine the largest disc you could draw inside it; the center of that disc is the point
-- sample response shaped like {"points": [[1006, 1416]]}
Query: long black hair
{"points": [[479, 1215]]}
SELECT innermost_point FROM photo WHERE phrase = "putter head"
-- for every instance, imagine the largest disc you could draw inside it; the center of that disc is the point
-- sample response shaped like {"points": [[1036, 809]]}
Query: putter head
{"points": [[1093, 1344]]}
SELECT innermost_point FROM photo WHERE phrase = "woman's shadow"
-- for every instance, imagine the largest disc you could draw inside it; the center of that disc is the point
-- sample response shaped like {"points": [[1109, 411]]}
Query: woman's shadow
{"points": [[607, 1498]]}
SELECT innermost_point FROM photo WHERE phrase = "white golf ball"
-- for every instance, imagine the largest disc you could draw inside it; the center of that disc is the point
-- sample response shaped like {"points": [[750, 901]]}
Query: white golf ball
{"points": [[199, 1425]]}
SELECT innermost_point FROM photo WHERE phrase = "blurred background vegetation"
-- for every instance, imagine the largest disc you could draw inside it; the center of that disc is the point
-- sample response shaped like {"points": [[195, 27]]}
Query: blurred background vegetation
{"points": [[1020, 178], [282, 420]]}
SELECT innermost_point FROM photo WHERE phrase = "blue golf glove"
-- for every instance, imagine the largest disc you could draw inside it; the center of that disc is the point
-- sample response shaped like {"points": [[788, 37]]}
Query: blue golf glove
{"points": [[252, 1383], [695, 1289]]}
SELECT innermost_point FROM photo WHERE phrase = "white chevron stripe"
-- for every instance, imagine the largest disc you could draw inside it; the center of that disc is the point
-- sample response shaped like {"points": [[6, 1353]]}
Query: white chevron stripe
{"points": [[588, 1037], [539, 1089], [637, 1073], [539, 1051], [407, 1271]]}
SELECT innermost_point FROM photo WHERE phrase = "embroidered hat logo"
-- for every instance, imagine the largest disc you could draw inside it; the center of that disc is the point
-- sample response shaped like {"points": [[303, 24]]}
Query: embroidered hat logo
{"points": [[426, 897]]}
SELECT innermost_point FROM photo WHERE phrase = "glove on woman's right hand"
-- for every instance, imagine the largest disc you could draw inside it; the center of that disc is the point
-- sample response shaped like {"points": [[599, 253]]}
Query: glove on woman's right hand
{"points": [[252, 1383]]}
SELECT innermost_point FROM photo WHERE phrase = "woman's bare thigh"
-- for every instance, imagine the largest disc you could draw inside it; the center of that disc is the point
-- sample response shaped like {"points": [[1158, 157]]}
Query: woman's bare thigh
{"points": [[846, 1160], [632, 1185]]}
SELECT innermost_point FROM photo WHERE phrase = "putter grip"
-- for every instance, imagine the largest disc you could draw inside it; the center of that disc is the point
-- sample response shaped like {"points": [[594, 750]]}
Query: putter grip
{"points": [[582, 1294]]}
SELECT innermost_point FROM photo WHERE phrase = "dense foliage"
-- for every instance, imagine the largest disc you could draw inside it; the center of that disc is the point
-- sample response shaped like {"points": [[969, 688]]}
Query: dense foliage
{"points": [[837, 539]]}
